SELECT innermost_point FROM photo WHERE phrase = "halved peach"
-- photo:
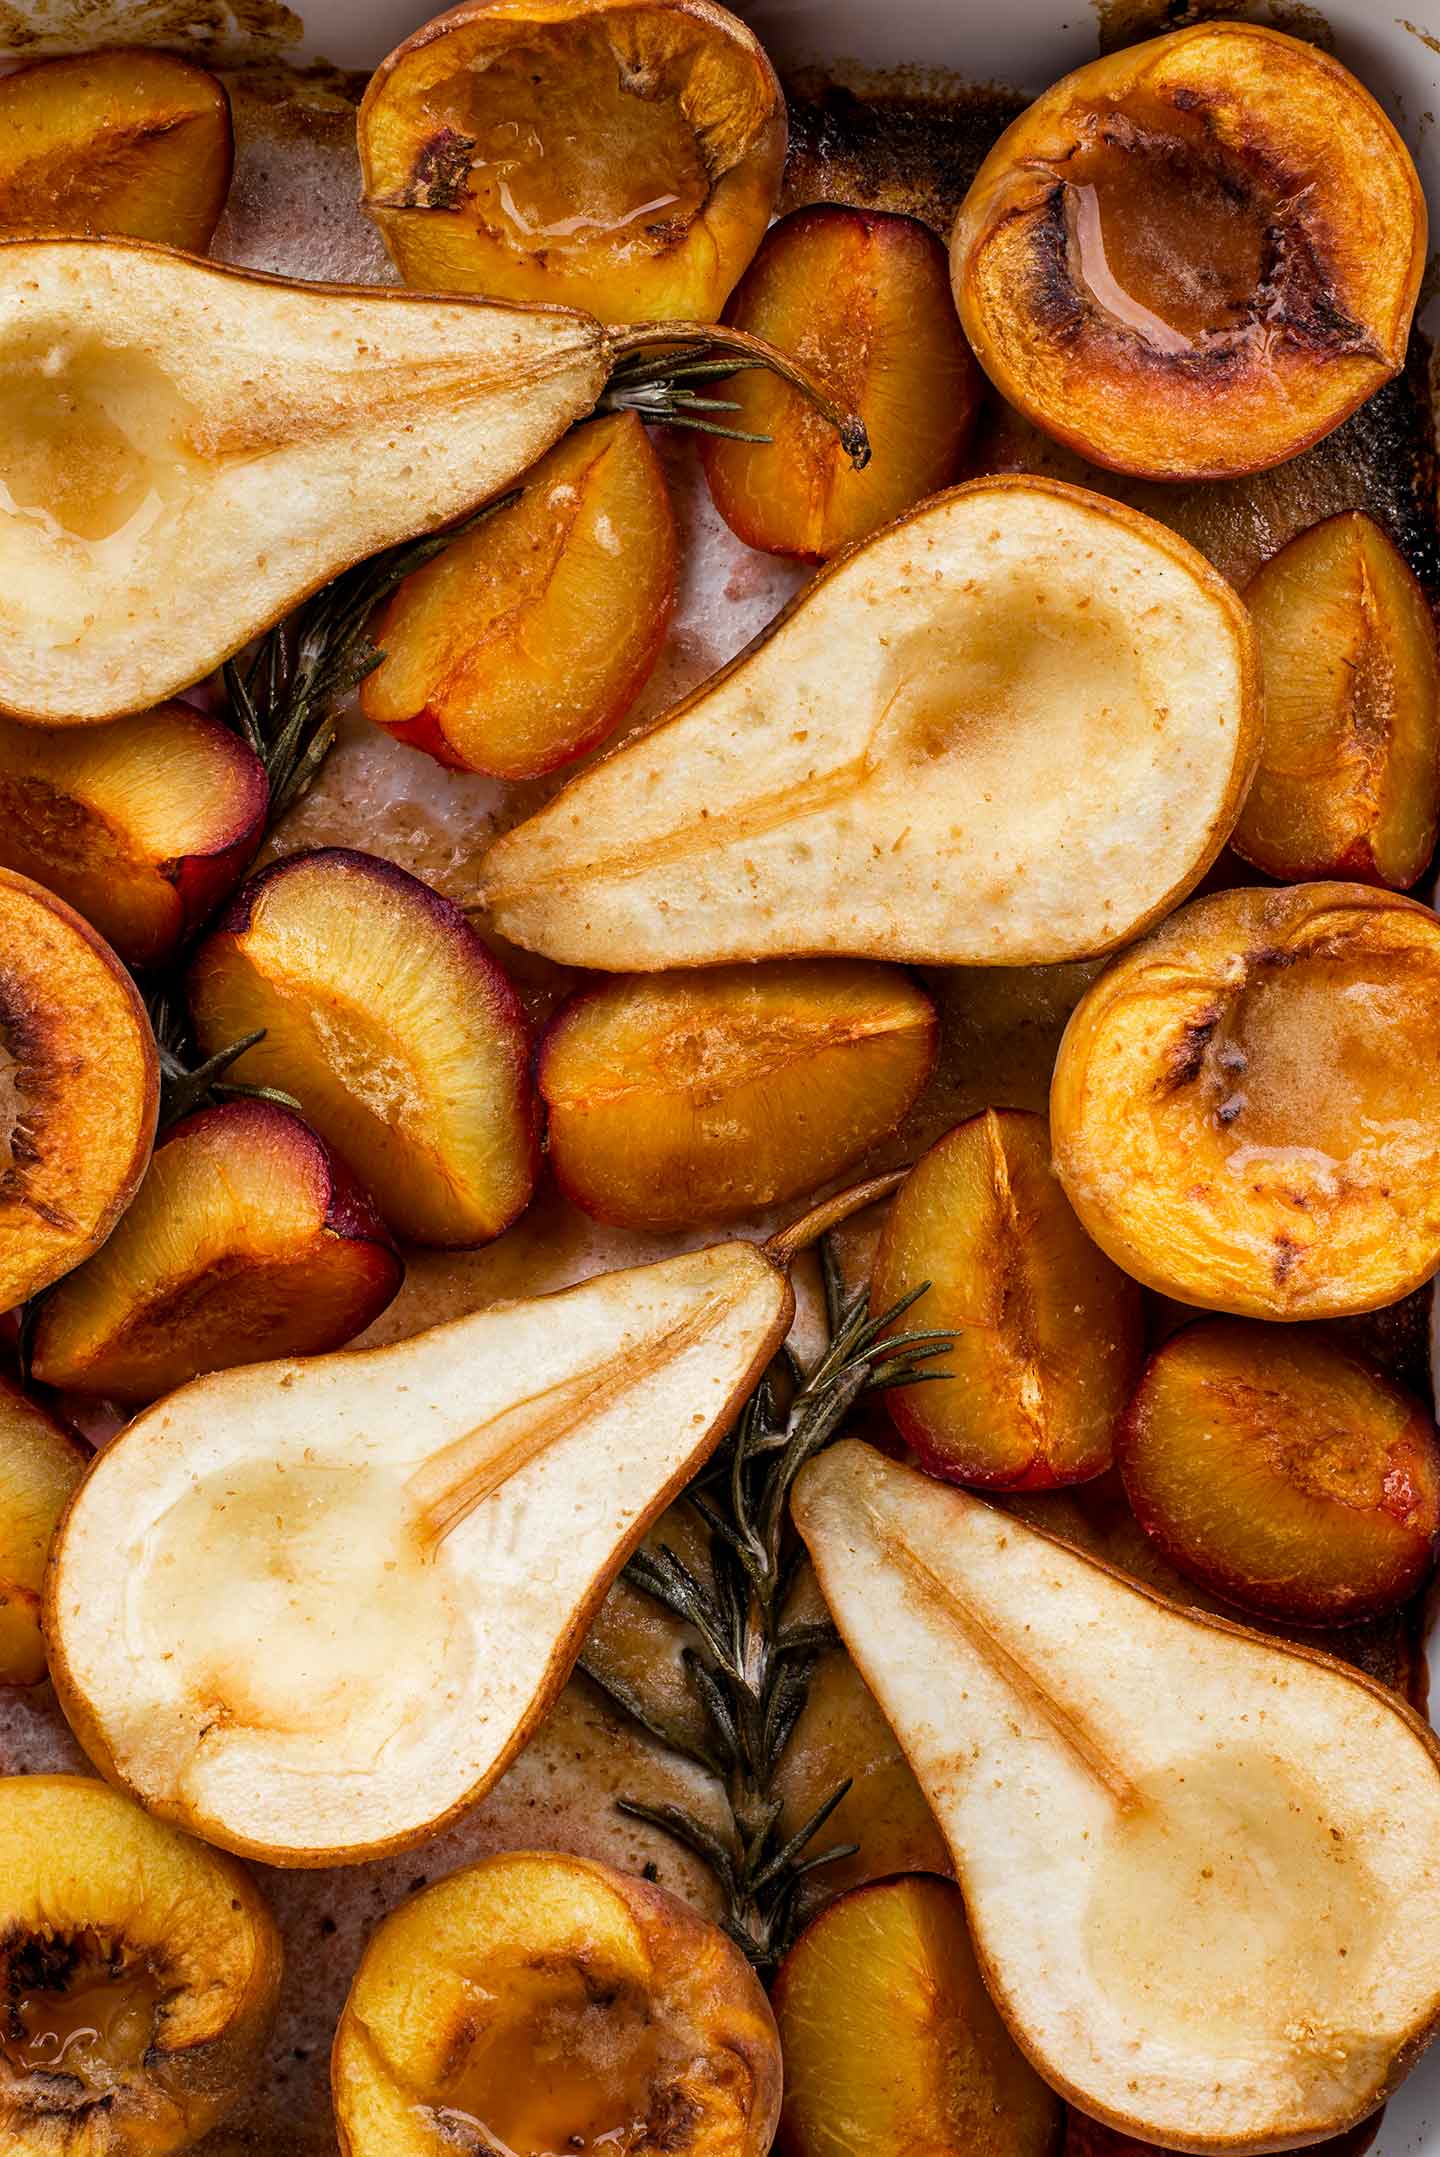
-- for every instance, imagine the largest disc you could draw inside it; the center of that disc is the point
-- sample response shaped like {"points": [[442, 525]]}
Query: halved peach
{"points": [[681, 1098], [138, 1969], [386, 1017], [541, 2002], [128, 143], [79, 1088], [619, 155], [1246, 1104], [247, 1241], [1195, 256], [1348, 782], [142, 825], [1283, 1473], [1046, 1331], [527, 641], [892, 2043], [863, 298], [40, 1465]]}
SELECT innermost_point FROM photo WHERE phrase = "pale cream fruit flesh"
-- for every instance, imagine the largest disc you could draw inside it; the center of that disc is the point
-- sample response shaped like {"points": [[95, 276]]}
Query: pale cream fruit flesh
{"points": [[186, 451], [309, 1610], [1202, 1869], [1013, 728]]}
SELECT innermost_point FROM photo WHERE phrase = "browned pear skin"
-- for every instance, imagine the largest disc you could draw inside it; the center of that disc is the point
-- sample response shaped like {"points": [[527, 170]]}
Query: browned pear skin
{"points": [[863, 296], [131, 144], [1085, 2137], [40, 1465], [1117, 268], [1283, 1473], [610, 2008], [147, 1962], [1245, 1109], [1349, 778], [143, 826], [891, 2041], [86, 1088], [1046, 1332], [1181, 1845], [507, 149], [246, 1242], [895, 769]]}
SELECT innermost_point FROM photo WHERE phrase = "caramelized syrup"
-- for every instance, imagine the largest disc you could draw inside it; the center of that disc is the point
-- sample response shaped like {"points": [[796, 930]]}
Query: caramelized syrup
{"points": [[97, 2026]]}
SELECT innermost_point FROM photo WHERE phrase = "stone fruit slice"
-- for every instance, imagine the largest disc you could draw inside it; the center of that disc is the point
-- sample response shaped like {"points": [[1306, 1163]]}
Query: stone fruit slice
{"points": [[79, 1088], [143, 826], [540, 2001], [139, 1971], [135, 144], [891, 2042], [1047, 1331], [246, 1241], [40, 1465], [1014, 727], [675, 1099], [313, 1609], [1246, 1107], [1202, 1870], [623, 157], [387, 1019], [1194, 257]]}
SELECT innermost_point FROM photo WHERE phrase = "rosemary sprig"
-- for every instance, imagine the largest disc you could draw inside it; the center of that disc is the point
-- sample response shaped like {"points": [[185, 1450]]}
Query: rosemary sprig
{"points": [[752, 1667], [185, 1084], [663, 390]]}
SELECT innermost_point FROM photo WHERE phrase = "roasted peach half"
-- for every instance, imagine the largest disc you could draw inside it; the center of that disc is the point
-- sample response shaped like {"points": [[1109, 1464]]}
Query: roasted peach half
{"points": [[1193, 257], [1246, 1104], [247, 1241], [1283, 1473], [388, 1020], [131, 144], [40, 1465], [1046, 1331], [863, 298], [537, 2003], [892, 2044], [139, 1972], [618, 155], [690, 1097], [79, 1088], [527, 641], [142, 825], [1348, 782]]}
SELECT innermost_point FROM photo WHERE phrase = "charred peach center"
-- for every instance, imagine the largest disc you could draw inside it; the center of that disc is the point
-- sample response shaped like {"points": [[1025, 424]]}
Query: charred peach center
{"points": [[78, 2008]]}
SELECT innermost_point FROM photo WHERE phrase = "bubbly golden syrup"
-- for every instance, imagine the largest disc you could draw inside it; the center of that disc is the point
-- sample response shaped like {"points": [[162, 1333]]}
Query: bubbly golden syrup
{"points": [[98, 2026], [93, 437], [564, 153]]}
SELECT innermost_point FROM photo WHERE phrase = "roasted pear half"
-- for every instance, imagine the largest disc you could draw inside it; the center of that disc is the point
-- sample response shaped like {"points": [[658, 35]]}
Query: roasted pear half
{"points": [[188, 450], [1014, 727], [311, 1609], [1202, 1869]]}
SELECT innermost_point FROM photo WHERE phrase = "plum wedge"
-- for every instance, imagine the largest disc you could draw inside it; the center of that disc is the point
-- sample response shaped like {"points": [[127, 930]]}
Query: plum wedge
{"points": [[1014, 727], [246, 1241], [387, 1019]]}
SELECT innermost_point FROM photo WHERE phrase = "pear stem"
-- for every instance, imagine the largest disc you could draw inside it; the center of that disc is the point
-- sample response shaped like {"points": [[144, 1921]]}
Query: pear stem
{"points": [[785, 1246], [747, 351]]}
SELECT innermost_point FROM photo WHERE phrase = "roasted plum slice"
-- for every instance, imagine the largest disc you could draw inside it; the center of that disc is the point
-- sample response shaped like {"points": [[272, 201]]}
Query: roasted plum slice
{"points": [[143, 825], [1046, 1329], [388, 1020], [246, 1242], [1283, 1473], [79, 1088], [862, 297], [1348, 782], [1246, 1104], [526, 641], [618, 155], [1194, 257], [678, 1098], [541, 2002], [40, 1465]]}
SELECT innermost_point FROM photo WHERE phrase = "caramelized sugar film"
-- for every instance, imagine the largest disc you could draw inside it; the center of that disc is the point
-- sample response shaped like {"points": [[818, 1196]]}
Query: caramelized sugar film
{"points": [[78, 2006]]}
